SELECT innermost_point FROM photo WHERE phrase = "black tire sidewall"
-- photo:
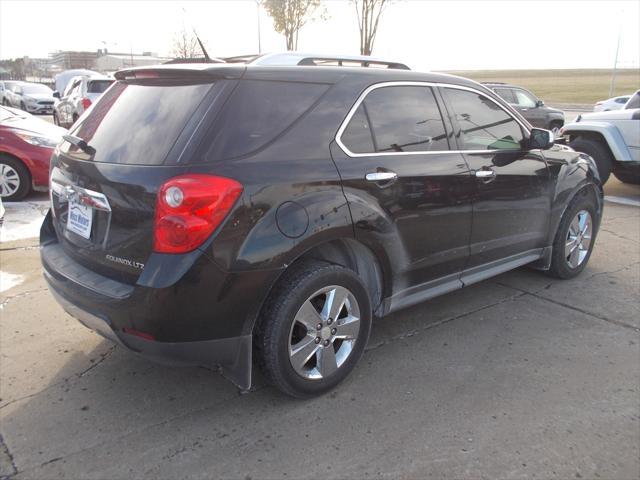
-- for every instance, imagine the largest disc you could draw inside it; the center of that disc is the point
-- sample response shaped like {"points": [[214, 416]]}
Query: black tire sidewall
{"points": [[25, 178], [559, 266], [599, 154], [286, 304]]}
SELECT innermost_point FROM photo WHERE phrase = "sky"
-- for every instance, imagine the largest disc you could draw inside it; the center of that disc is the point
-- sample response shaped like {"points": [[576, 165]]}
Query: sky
{"points": [[425, 34]]}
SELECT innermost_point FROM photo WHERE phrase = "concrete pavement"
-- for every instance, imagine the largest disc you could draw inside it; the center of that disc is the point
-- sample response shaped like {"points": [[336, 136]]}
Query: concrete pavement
{"points": [[517, 376]]}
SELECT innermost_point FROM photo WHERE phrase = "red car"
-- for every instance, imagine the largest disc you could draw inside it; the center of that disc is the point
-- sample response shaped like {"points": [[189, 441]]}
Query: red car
{"points": [[26, 145]]}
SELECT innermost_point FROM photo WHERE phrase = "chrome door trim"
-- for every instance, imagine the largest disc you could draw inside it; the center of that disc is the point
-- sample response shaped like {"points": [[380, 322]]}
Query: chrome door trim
{"points": [[352, 111]]}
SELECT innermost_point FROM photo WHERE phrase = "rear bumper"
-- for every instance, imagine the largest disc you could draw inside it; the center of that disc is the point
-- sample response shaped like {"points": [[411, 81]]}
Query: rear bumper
{"points": [[201, 316], [233, 355]]}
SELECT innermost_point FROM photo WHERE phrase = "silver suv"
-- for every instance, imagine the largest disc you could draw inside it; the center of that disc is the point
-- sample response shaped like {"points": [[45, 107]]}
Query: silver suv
{"points": [[81, 92], [612, 138]]}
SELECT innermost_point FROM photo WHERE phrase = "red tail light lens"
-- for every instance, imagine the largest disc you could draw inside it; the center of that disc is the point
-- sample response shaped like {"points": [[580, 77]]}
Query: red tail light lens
{"points": [[86, 103], [188, 210]]}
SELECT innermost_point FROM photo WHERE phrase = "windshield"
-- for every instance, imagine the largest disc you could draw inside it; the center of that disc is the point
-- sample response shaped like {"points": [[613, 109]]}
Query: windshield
{"points": [[36, 88]]}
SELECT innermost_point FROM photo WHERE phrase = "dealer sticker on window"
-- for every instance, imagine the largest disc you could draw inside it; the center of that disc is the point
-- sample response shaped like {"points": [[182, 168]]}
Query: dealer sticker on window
{"points": [[80, 219]]}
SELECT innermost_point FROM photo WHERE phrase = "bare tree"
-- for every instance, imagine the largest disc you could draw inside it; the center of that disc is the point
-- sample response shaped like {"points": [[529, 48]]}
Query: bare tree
{"points": [[289, 16], [369, 13], [185, 45]]}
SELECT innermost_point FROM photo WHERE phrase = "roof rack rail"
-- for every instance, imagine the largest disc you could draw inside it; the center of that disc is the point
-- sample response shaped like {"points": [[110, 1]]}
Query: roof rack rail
{"points": [[493, 83], [303, 59]]}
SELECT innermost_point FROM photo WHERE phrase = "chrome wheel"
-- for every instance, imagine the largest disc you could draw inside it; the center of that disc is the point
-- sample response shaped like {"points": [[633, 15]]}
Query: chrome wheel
{"points": [[9, 180], [324, 332], [578, 239]]}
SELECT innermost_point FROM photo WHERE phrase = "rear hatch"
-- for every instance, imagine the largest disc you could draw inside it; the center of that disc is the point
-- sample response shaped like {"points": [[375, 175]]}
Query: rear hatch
{"points": [[105, 176]]}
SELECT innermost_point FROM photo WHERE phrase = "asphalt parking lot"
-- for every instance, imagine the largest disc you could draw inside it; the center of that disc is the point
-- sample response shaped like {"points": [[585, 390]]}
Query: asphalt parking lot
{"points": [[518, 376], [515, 376]]}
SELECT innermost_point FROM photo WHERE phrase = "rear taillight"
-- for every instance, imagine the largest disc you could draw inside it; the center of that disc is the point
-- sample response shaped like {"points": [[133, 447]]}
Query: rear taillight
{"points": [[86, 103], [188, 210]]}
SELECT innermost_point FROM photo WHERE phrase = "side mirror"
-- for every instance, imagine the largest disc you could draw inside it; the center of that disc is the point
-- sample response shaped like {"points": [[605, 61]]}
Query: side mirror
{"points": [[539, 103], [541, 139], [56, 94]]}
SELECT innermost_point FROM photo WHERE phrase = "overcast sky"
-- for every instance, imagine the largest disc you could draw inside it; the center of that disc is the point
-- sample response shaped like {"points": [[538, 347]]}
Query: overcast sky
{"points": [[428, 35]]}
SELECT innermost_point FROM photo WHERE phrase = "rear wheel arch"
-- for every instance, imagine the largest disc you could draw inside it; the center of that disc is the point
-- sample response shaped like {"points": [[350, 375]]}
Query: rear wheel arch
{"points": [[345, 252]]}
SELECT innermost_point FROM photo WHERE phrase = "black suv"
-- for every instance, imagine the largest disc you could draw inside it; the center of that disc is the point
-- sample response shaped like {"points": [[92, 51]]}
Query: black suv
{"points": [[530, 106], [215, 214]]}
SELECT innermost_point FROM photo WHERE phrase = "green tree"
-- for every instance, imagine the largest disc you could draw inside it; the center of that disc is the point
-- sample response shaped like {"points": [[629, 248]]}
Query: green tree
{"points": [[289, 16]]}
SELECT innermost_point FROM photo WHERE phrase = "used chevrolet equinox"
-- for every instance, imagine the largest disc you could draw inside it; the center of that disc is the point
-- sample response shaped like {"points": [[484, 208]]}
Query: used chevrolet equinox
{"points": [[226, 215]]}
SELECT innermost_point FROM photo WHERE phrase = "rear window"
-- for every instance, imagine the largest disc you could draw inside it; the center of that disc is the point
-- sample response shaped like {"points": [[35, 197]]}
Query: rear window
{"points": [[98, 86], [257, 112], [137, 124]]}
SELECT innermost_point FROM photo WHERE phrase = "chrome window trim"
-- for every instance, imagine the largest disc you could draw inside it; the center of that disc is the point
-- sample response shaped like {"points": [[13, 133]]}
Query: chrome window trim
{"points": [[370, 88]]}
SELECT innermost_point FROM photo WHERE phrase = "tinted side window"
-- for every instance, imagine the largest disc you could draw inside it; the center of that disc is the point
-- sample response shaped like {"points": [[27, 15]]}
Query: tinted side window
{"points": [[357, 136], [400, 119], [483, 124], [256, 113], [506, 94]]}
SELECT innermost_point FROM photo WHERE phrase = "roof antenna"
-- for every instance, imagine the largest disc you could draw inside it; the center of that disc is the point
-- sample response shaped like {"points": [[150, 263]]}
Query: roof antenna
{"points": [[204, 50]]}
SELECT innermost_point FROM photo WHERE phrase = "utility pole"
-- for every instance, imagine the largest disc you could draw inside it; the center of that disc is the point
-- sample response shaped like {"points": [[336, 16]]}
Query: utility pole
{"points": [[612, 88], [258, 14]]}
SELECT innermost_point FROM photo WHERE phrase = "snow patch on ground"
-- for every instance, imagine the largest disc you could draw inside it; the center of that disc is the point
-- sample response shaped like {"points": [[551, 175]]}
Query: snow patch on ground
{"points": [[9, 280], [23, 220]]}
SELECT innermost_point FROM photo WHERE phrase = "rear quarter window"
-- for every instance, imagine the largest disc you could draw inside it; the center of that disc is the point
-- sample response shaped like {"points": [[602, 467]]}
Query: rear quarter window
{"points": [[257, 112]]}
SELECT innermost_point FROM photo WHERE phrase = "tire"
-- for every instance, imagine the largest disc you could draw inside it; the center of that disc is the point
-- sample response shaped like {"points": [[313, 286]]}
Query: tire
{"points": [[564, 265], [314, 370], [5, 102], [55, 119], [628, 178], [15, 180], [75, 118], [600, 154], [23, 106]]}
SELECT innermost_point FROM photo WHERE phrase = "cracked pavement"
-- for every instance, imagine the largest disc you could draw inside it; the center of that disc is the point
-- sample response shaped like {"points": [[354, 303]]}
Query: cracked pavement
{"points": [[517, 376]]}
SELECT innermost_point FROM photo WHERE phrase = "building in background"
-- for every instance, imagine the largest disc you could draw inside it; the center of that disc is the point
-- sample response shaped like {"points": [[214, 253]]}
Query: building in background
{"points": [[68, 59], [107, 62]]}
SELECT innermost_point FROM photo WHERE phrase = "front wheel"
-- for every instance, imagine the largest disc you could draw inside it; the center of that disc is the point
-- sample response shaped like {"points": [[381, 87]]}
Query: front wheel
{"points": [[575, 237], [313, 329]]}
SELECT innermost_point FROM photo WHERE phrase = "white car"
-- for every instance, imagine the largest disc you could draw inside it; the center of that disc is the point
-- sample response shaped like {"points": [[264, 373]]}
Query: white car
{"points": [[31, 97], [615, 103], [81, 92]]}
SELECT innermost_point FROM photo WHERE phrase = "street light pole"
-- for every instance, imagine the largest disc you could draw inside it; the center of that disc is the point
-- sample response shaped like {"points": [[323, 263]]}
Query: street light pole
{"points": [[612, 88], [258, 17]]}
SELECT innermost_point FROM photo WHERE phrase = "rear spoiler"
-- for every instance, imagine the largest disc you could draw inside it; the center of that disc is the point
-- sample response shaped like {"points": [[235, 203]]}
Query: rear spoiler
{"points": [[181, 71]]}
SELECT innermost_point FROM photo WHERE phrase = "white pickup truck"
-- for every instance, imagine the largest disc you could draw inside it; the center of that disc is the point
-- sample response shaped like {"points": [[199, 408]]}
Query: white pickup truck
{"points": [[611, 138]]}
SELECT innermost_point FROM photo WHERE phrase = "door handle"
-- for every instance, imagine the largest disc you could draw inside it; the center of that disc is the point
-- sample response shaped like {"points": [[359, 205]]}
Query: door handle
{"points": [[381, 176], [485, 174]]}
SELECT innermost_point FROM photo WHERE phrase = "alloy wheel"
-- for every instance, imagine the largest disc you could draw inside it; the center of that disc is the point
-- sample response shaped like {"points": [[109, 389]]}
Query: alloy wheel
{"points": [[9, 180], [578, 239], [324, 332]]}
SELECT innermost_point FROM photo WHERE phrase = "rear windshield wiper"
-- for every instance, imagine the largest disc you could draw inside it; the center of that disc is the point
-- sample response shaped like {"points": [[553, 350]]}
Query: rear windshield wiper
{"points": [[80, 143]]}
